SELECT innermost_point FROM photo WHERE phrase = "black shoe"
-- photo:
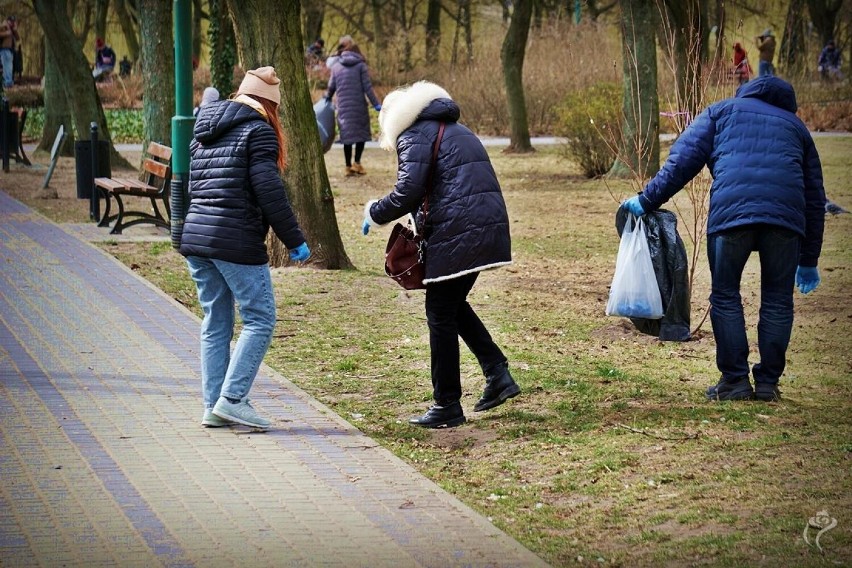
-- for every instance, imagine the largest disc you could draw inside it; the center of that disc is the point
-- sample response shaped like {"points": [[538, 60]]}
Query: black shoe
{"points": [[731, 390], [438, 416], [767, 392], [499, 387]]}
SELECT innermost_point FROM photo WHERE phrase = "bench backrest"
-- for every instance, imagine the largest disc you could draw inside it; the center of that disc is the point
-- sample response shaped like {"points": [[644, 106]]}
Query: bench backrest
{"points": [[157, 167]]}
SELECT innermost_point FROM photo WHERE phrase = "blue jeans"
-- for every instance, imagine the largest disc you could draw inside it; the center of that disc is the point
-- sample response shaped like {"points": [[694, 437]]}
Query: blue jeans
{"points": [[7, 58], [779, 254], [219, 285], [765, 68], [449, 317]]}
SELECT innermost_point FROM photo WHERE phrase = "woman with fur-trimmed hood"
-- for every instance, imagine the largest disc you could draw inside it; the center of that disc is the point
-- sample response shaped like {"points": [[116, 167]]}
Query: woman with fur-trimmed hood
{"points": [[466, 231]]}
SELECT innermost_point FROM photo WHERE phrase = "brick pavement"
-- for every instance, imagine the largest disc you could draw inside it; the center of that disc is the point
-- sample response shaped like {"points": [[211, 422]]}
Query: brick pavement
{"points": [[104, 461]]}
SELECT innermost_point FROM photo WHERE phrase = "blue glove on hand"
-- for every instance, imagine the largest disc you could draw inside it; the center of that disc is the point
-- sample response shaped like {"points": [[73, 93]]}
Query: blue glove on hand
{"points": [[634, 206], [378, 107], [300, 253], [807, 278], [365, 228]]}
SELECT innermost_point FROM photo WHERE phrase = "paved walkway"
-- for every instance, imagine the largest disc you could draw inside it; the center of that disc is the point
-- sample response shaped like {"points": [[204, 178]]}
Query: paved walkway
{"points": [[104, 461]]}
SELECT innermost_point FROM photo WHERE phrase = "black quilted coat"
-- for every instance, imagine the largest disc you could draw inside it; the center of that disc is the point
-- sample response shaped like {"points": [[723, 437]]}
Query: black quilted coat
{"points": [[467, 226], [235, 190]]}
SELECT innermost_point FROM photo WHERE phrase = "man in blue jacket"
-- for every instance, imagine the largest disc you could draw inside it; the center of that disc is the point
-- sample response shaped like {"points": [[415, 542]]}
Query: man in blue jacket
{"points": [[767, 196]]}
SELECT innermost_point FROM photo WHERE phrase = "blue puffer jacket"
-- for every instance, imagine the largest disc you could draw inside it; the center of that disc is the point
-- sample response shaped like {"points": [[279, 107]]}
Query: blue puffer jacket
{"points": [[235, 189], [467, 226], [764, 164], [350, 80]]}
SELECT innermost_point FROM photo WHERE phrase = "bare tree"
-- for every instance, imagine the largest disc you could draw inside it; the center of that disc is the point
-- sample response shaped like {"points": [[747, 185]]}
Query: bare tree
{"points": [[433, 31], [312, 20], [74, 74], [126, 15], [223, 53], [512, 58], [639, 155], [310, 190], [57, 111], [158, 53], [824, 16], [793, 41]]}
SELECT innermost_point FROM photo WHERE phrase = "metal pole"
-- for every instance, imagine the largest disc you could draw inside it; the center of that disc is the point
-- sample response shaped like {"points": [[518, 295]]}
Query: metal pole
{"points": [[94, 201], [183, 121], [4, 136]]}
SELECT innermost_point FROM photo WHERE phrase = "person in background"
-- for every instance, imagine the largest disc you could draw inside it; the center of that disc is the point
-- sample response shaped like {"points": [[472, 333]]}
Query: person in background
{"points": [[758, 202], [104, 60], [350, 81], [342, 43], [829, 62], [125, 67], [466, 231], [766, 48], [236, 194], [210, 95], [8, 39], [742, 69], [315, 54]]}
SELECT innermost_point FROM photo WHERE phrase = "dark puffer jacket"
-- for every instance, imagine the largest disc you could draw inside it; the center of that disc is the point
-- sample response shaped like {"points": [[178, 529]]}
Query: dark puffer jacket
{"points": [[764, 164], [467, 226], [235, 190], [350, 80]]}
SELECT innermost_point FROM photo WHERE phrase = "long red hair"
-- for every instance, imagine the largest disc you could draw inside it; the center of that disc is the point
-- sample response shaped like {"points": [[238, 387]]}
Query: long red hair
{"points": [[272, 116]]}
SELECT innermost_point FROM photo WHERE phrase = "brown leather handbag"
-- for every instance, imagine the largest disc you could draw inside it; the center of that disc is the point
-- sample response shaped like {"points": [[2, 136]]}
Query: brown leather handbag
{"points": [[405, 253]]}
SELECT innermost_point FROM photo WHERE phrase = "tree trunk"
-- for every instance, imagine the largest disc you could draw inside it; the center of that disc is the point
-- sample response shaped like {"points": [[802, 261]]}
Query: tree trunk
{"points": [[75, 75], [101, 8], [433, 32], [56, 110], [310, 190], [158, 53], [685, 29], [793, 41], [312, 21], [223, 53], [512, 58], [721, 22], [129, 26], [824, 16], [639, 152]]}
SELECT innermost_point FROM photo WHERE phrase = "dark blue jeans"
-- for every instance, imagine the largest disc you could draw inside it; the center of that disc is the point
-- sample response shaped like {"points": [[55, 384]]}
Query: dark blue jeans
{"points": [[449, 317], [779, 255]]}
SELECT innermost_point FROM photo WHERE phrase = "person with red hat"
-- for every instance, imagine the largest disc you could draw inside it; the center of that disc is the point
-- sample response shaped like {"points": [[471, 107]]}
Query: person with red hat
{"points": [[104, 60]]}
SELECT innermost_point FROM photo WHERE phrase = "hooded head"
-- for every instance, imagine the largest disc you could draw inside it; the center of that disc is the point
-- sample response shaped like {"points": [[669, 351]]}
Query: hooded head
{"points": [[766, 33], [210, 95], [400, 109], [261, 82], [770, 89], [99, 43]]}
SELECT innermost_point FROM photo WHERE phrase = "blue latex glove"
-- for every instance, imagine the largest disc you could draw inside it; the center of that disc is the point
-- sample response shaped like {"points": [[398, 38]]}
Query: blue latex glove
{"points": [[807, 278], [300, 253], [634, 206], [378, 107], [365, 228]]}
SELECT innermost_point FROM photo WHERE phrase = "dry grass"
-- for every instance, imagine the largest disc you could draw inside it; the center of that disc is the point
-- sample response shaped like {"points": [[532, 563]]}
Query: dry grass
{"points": [[611, 451]]}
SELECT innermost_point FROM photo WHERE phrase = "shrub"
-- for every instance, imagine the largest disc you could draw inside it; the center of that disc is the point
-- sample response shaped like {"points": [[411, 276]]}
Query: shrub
{"points": [[590, 121]]}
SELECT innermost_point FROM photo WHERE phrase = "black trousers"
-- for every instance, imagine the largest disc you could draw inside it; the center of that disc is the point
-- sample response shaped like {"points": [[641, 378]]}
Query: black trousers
{"points": [[449, 317]]}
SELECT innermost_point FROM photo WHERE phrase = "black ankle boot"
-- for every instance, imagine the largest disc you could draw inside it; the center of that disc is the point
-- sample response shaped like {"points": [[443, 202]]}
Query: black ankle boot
{"points": [[440, 416], [499, 387]]}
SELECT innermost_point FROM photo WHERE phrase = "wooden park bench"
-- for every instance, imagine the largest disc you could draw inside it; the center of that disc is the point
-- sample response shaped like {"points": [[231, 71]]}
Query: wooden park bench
{"points": [[157, 172]]}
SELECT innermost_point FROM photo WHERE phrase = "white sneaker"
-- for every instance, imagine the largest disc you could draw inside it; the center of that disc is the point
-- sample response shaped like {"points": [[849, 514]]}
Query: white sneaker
{"points": [[239, 412]]}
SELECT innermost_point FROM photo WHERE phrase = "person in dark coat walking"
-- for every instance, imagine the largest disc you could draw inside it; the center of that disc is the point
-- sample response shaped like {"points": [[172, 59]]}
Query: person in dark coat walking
{"points": [[350, 81], [236, 194], [767, 196], [466, 231]]}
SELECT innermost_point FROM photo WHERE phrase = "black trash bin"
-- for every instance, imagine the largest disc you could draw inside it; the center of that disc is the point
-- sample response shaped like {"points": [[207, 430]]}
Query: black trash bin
{"points": [[83, 161]]}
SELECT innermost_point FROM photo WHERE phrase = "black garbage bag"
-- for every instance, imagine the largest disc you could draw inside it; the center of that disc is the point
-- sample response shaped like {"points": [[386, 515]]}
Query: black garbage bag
{"points": [[671, 267], [324, 111]]}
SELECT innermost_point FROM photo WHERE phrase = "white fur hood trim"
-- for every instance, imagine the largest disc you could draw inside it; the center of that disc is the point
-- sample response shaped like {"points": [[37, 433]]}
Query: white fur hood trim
{"points": [[401, 107]]}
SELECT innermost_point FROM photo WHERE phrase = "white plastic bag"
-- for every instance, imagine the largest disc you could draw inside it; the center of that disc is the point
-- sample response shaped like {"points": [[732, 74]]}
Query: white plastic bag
{"points": [[634, 292]]}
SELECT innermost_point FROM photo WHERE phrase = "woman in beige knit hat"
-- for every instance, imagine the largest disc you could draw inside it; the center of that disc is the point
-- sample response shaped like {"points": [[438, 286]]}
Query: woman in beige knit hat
{"points": [[236, 194]]}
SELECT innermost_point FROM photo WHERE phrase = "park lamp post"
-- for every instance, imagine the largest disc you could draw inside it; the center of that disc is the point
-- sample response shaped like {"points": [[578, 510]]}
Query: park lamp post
{"points": [[182, 122]]}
